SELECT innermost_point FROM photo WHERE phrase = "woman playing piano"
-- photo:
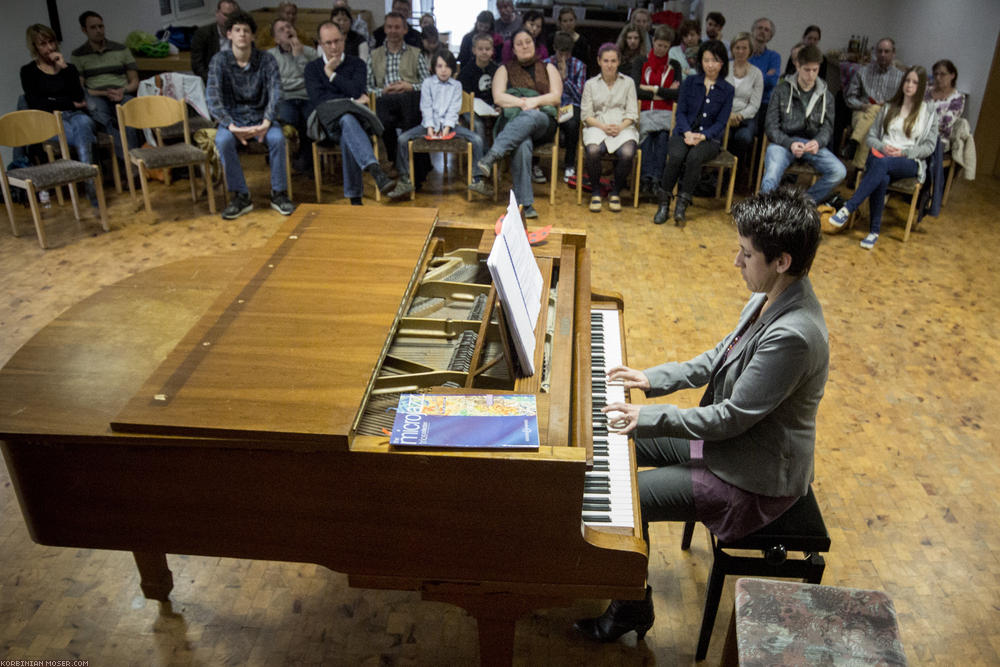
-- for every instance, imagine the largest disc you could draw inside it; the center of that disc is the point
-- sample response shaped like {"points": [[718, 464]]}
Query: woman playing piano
{"points": [[745, 455]]}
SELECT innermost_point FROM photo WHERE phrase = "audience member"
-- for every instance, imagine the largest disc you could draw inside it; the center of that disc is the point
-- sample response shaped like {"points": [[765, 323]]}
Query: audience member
{"points": [[799, 126], [573, 73], [210, 39], [336, 85], [748, 81], [810, 36], [904, 133], [870, 87], [529, 92], [244, 88], [410, 34], [358, 25], [658, 86], [52, 84], [440, 102], [581, 47], [287, 11], [763, 58], [945, 99], [292, 57], [714, 23], [395, 74], [429, 45], [686, 53], [109, 76], [532, 22], [485, 24], [509, 21], [630, 50], [476, 77], [427, 20], [354, 43], [644, 21], [701, 116], [610, 112]]}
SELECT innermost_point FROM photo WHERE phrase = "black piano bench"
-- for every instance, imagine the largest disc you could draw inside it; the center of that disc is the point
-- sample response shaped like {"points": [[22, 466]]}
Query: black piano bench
{"points": [[801, 528]]}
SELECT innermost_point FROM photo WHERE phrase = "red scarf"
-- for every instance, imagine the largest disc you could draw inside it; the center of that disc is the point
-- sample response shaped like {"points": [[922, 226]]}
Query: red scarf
{"points": [[656, 72]]}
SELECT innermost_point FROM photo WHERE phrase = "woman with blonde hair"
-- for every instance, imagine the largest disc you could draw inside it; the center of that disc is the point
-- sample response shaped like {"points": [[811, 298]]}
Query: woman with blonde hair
{"points": [[904, 133]]}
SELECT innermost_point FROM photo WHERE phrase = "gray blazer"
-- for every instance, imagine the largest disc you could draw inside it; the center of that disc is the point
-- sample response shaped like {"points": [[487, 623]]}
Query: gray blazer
{"points": [[758, 414]]}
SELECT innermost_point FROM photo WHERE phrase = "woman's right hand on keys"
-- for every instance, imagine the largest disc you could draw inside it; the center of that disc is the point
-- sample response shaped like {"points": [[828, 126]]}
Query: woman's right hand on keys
{"points": [[630, 377]]}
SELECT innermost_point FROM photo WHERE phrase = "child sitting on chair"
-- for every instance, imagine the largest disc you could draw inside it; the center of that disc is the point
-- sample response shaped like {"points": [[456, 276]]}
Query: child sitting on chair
{"points": [[440, 102]]}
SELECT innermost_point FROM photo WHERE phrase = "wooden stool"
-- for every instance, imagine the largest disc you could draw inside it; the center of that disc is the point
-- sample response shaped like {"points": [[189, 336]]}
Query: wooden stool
{"points": [[801, 528], [788, 623]]}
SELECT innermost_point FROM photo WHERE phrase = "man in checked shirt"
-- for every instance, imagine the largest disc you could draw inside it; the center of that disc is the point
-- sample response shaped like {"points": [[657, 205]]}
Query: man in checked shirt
{"points": [[395, 73]]}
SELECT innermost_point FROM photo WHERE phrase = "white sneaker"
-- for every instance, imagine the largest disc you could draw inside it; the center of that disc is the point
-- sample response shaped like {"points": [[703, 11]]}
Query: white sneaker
{"points": [[537, 175], [568, 173], [869, 241]]}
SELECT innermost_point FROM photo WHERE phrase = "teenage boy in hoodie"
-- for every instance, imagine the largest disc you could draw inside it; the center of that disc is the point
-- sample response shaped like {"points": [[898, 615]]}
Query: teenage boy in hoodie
{"points": [[799, 125]]}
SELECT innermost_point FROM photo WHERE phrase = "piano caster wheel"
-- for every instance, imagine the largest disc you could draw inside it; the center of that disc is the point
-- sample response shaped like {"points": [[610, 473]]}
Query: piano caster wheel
{"points": [[775, 555]]}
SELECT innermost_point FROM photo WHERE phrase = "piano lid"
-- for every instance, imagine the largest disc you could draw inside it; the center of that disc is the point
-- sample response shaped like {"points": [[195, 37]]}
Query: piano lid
{"points": [[288, 348]]}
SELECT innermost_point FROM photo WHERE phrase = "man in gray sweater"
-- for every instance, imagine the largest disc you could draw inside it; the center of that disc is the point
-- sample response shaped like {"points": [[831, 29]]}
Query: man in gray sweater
{"points": [[799, 125]]}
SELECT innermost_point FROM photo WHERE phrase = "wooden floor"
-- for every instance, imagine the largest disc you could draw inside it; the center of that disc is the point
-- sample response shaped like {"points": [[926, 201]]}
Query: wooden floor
{"points": [[906, 469]]}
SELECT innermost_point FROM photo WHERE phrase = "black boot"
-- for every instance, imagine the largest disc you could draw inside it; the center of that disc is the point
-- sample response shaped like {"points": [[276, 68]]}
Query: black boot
{"points": [[682, 203], [620, 617], [662, 213], [382, 180]]}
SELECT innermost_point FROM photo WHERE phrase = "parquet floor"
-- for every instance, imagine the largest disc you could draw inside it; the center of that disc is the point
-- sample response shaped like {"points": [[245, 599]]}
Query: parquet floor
{"points": [[906, 468]]}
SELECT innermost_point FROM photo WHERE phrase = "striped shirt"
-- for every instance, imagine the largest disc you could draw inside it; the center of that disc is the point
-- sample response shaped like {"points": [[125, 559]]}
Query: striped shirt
{"points": [[869, 85], [244, 96], [105, 69], [392, 75]]}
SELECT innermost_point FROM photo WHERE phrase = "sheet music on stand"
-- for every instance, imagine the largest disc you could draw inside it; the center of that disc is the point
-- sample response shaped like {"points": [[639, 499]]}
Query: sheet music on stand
{"points": [[519, 284]]}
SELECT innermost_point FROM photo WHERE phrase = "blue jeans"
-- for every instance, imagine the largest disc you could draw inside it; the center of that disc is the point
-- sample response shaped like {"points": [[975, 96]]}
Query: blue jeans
{"points": [[226, 143], [741, 138], [778, 158], [356, 148], [102, 110], [654, 154], [403, 152], [517, 138], [879, 172], [79, 129]]}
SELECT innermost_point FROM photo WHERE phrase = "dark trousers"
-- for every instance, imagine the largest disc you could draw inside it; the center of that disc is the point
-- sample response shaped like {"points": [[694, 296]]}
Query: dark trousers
{"points": [[398, 113], [684, 164], [624, 159], [569, 135]]}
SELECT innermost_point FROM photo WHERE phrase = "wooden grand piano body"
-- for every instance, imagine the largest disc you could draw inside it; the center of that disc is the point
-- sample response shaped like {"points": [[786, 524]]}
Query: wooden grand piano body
{"points": [[245, 439]]}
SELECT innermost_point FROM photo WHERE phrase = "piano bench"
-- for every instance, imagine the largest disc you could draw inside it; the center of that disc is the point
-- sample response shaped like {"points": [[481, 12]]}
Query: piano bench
{"points": [[801, 528]]}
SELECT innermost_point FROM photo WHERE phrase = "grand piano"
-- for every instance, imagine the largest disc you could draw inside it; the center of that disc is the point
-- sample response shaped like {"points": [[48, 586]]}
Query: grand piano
{"points": [[236, 406]]}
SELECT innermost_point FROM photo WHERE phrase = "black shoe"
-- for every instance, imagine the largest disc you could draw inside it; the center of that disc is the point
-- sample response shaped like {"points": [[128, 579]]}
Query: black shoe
{"points": [[238, 205], [281, 203], [662, 213], [356, 201], [680, 209], [382, 180], [481, 187], [850, 148], [620, 617]]}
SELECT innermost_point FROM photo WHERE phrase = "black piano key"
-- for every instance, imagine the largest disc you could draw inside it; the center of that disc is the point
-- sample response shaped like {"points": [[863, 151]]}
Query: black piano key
{"points": [[596, 518]]}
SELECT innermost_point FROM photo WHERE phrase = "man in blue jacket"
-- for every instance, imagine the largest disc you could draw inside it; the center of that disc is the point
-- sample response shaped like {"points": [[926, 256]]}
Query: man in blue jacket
{"points": [[336, 75], [799, 125]]}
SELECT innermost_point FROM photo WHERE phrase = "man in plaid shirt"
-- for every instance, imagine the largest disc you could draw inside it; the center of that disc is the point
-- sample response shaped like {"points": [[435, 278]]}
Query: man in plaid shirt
{"points": [[574, 74], [244, 88], [395, 73]]}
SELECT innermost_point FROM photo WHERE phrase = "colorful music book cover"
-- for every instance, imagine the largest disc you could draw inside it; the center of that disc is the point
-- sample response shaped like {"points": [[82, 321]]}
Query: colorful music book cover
{"points": [[482, 421]]}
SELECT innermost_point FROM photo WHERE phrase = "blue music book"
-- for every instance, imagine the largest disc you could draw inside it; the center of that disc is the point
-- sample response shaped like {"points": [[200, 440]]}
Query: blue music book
{"points": [[480, 421]]}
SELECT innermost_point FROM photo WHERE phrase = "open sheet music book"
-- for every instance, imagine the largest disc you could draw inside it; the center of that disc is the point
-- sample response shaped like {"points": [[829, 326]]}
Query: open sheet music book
{"points": [[519, 284]]}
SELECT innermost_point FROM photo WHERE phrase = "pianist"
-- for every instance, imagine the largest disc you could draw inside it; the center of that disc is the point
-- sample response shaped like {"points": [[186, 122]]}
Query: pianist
{"points": [[745, 454]]}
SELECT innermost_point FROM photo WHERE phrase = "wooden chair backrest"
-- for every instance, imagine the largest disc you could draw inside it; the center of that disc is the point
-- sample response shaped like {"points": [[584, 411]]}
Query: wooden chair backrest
{"points": [[29, 126], [149, 111]]}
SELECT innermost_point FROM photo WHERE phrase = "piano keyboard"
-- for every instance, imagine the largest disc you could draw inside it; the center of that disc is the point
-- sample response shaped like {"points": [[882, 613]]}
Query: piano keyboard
{"points": [[607, 490]]}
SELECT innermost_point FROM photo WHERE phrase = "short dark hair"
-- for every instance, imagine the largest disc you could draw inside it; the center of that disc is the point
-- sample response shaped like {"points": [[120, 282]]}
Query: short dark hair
{"points": [[812, 28], [430, 32], [86, 15], [809, 54], [337, 11], [949, 67], [782, 220], [486, 17], [531, 15], [448, 57], [395, 15], [241, 18], [689, 26], [566, 10], [717, 49], [717, 17]]}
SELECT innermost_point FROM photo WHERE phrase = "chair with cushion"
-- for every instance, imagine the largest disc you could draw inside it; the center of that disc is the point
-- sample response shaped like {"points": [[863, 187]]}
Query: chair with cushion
{"points": [[455, 145], [32, 126], [800, 529], [908, 187], [155, 112], [607, 157]]}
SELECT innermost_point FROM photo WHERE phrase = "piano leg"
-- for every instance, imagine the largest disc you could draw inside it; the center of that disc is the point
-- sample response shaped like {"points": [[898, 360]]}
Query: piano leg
{"points": [[156, 580]]}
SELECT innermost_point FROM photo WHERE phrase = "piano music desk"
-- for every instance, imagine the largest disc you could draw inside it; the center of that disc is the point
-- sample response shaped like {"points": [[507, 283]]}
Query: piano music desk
{"points": [[279, 476]]}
